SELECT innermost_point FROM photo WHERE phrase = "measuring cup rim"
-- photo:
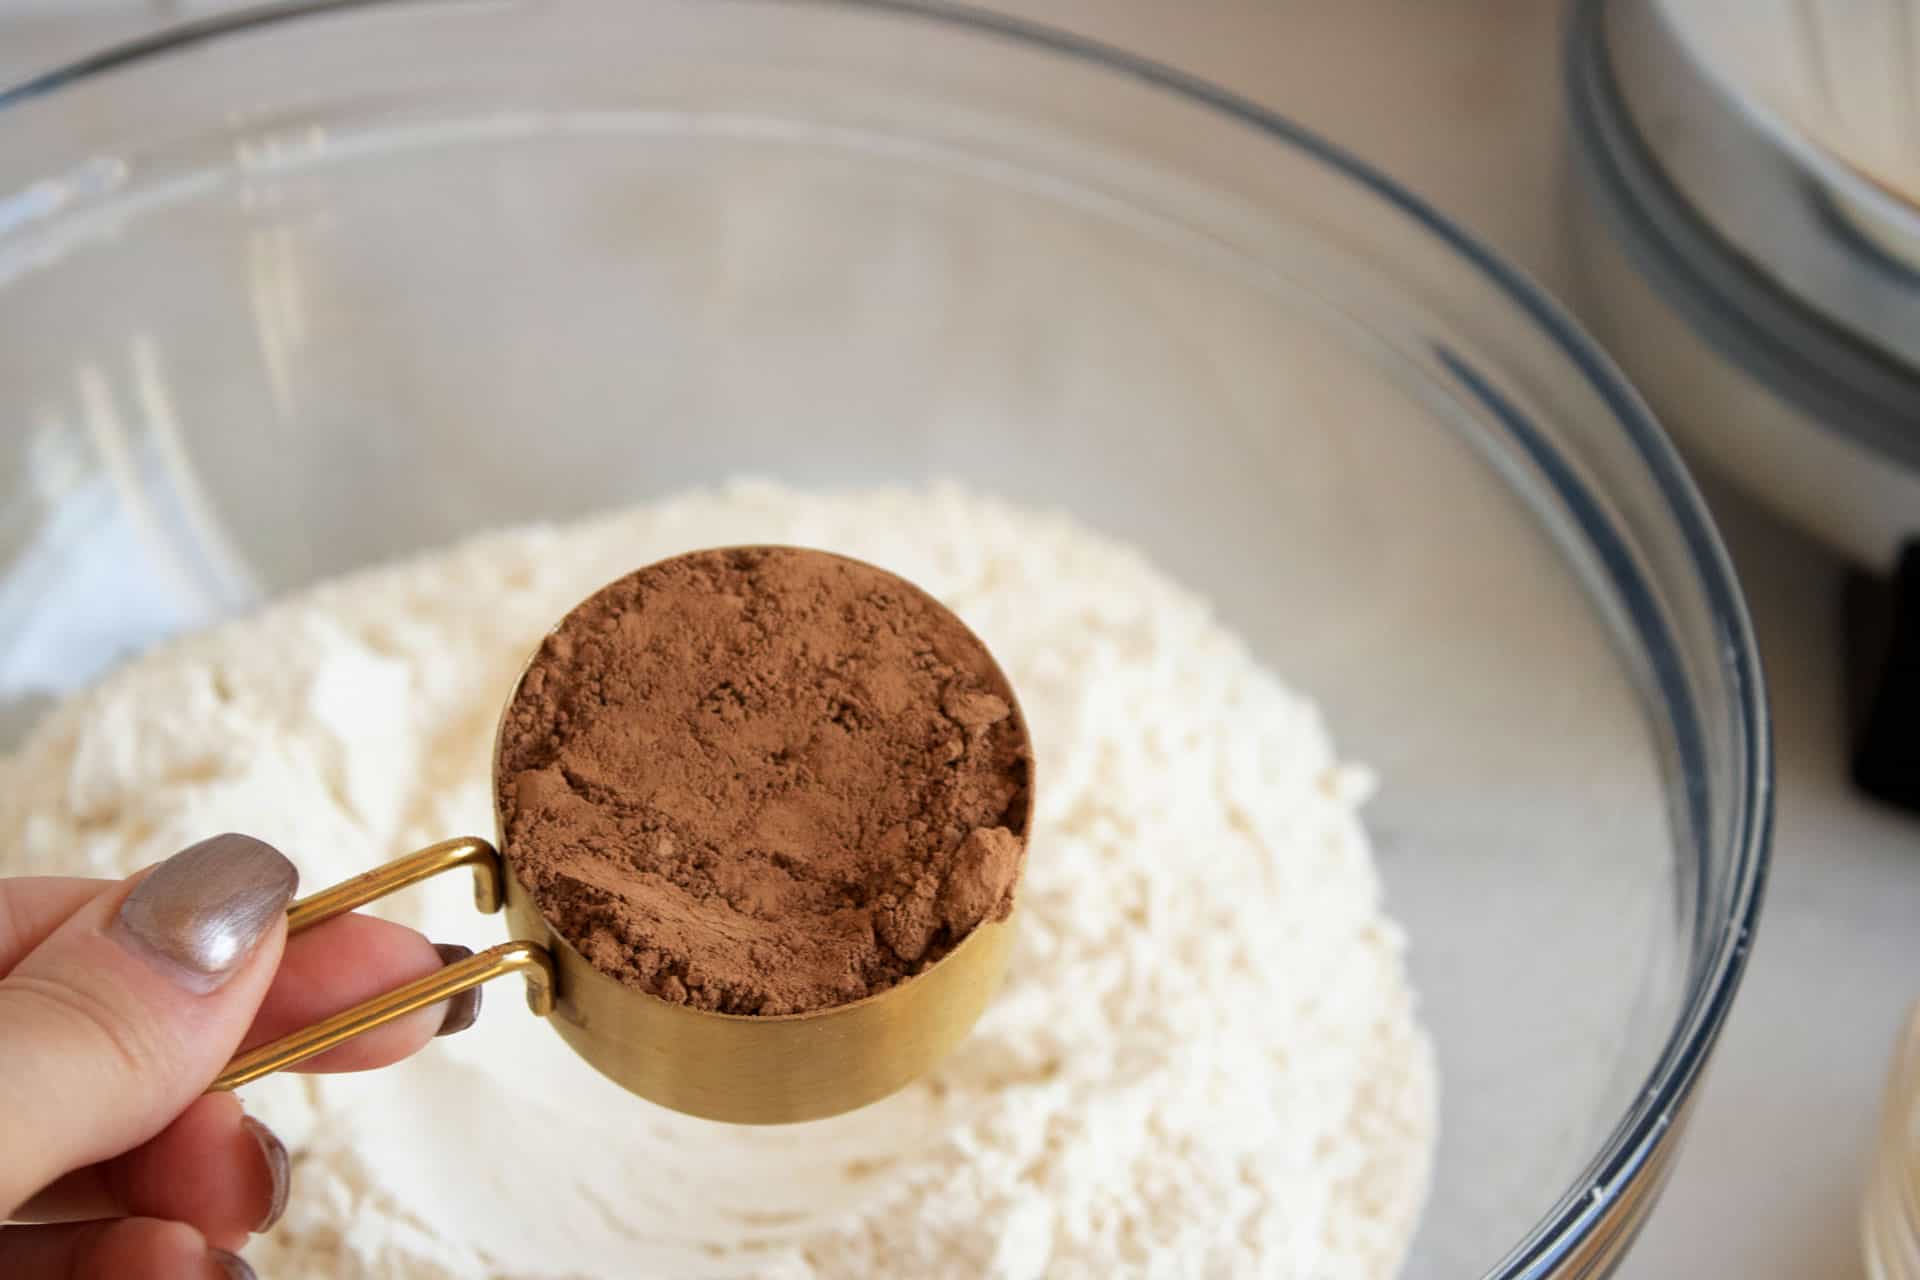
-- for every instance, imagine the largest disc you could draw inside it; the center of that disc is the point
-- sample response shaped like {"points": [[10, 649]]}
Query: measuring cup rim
{"points": [[558, 941]]}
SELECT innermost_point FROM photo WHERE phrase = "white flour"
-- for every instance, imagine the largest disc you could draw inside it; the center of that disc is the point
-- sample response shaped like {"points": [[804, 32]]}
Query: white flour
{"points": [[1205, 1061]]}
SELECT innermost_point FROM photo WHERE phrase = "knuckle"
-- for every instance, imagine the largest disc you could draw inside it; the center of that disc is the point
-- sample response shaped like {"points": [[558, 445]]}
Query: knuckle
{"points": [[67, 1012], [13, 925]]}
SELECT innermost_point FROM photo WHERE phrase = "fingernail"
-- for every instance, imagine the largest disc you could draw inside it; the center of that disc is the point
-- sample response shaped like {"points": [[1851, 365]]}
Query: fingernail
{"points": [[279, 1168], [232, 1265], [464, 1009], [202, 911]]}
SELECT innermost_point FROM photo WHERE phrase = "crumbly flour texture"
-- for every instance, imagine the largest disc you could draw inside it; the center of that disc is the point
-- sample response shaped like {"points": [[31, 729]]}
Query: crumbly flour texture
{"points": [[1205, 1061]]}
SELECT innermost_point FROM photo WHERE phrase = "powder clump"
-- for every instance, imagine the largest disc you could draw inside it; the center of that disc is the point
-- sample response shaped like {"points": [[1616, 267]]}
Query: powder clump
{"points": [[764, 780]]}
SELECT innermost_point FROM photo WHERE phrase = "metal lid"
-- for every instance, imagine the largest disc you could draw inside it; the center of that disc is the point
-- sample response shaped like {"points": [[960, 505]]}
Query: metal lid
{"points": [[1739, 305], [1846, 247]]}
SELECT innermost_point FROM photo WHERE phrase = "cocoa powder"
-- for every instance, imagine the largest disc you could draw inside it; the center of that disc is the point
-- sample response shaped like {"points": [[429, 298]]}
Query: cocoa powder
{"points": [[764, 780]]}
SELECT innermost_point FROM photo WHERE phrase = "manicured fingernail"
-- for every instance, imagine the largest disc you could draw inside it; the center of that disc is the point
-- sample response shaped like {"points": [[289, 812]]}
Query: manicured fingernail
{"points": [[279, 1169], [464, 1009], [200, 913], [232, 1265]]}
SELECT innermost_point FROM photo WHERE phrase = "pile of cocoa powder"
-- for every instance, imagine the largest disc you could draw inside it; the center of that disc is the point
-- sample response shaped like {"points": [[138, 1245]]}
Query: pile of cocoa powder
{"points": [[764, 780]]}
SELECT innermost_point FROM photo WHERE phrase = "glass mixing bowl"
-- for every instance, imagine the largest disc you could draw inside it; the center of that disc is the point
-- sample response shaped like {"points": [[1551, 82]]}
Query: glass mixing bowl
{"points": [[290, 292]]}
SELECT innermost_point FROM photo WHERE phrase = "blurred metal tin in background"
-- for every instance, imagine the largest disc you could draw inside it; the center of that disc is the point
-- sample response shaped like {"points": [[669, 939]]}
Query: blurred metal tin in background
{"points": [[1761, 291]]}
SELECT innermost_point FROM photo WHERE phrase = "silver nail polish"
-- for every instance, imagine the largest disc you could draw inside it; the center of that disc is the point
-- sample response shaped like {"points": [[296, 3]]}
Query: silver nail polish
{"points": [[232, 1265], [202, 911], [279, 1169], [464, 1009]]}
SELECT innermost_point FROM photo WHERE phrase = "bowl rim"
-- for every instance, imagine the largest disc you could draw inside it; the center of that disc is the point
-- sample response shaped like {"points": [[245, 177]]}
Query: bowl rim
{"points": [[1594, 1218]]}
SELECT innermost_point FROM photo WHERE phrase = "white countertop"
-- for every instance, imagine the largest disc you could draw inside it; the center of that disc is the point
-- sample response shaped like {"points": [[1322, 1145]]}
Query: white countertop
{"points": [[1459, 98]]}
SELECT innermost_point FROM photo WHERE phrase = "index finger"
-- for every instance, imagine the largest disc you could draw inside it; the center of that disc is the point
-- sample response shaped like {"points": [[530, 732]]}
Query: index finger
{"points": [[344, 961], [322, 971]]}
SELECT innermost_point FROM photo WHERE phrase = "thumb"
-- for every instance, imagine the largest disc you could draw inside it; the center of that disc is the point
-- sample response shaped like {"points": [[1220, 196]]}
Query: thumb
{"points": [[123, 1015]]}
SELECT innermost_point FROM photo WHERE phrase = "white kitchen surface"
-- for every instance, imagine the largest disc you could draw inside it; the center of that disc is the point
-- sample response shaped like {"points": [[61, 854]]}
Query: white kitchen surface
{"points": [[1459, 99]]}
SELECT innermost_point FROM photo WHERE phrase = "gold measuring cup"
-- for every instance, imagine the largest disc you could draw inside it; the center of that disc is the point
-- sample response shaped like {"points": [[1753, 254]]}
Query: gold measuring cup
{"points": [[742, 1069]]}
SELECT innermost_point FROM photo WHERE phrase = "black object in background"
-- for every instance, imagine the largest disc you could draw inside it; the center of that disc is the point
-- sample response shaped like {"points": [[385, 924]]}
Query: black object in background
{"points": [[1883, 636]]}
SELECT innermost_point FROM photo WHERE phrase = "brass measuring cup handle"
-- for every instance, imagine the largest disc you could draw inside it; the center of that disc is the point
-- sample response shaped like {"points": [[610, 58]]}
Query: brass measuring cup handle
{"points": [[489, 894]]}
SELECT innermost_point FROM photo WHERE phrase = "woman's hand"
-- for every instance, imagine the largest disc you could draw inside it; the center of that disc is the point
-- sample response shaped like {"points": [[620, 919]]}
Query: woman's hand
{"points": [[119, 1004]]}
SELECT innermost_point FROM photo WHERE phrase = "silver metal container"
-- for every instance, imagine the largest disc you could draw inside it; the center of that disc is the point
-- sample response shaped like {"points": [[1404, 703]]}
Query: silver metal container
{"points": [[1756, 290]]}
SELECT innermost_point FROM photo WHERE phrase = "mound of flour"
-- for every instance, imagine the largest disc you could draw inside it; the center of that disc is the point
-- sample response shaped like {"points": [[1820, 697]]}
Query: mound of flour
{"points": [[1205, 1059]]}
